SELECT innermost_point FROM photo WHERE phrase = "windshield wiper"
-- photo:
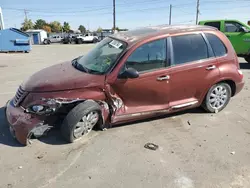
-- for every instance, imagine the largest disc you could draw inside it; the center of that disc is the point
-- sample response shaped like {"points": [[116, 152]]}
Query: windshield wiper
{"points": [[79, 66]]}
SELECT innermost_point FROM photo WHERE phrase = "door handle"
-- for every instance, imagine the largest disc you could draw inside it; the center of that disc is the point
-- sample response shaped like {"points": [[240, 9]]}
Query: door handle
{"points": [[163, 78], [211, 67]]}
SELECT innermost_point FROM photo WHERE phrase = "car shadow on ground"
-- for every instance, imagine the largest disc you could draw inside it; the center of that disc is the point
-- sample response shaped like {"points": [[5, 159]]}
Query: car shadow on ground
{"points": [[5, 136], [244, 65], [54, 137]]}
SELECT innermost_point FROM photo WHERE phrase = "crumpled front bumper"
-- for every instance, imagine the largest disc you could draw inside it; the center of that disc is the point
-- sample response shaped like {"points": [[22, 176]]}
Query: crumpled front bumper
{"points": [[21, 123]]}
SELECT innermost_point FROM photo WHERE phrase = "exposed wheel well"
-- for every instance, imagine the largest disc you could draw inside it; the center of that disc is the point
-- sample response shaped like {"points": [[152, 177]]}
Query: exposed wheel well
{"points": [[231, 84]]}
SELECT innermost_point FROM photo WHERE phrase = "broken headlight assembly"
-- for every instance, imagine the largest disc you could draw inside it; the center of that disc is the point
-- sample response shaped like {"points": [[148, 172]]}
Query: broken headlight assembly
{"points": [[40, 109], [44, 107]]}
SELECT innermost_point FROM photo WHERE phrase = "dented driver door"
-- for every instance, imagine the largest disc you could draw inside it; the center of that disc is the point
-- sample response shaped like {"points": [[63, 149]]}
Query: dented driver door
{"points": [[148, 94]]}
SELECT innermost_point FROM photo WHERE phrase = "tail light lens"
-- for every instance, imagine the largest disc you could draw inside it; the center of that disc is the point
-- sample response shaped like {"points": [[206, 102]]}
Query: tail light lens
{"points": [[240, 73]]}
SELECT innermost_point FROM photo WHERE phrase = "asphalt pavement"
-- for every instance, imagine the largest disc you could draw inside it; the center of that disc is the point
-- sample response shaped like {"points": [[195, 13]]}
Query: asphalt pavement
{"points": [[196, 149]]}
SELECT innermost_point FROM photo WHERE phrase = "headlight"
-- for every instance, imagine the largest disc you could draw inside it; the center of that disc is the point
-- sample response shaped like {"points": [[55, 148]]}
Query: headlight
{"points": [[43, 107], [40, 109], [37, 108]]}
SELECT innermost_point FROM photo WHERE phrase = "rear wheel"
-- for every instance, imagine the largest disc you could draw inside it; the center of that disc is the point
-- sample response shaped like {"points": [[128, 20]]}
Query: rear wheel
{"points": [[45, 41], [247, 59], [217, 97], [80, 120]]}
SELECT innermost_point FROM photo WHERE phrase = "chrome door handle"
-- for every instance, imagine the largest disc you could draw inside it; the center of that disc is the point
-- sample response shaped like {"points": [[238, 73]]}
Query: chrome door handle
{"points": [[163, 78], [211, 67]]}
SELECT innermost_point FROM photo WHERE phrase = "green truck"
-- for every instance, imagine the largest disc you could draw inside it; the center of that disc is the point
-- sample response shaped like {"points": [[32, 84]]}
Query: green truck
{"points": [[237, 32]]}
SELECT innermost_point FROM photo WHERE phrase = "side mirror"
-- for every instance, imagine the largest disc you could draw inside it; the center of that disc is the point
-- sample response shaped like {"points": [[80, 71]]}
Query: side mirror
{"points": [[243, 29], [129, 73]]}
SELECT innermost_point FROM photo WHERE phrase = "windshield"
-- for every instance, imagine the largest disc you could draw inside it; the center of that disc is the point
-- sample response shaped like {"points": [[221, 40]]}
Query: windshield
{"points": [[100, 58]]}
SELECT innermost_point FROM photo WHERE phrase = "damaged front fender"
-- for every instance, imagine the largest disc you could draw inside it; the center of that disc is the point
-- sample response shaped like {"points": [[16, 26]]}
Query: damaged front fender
{"points": [[24, 123]]}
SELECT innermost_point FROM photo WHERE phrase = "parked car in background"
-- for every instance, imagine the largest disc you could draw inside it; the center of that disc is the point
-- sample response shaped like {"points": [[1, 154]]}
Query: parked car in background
{"points": [[237, 32], [70, 39], [53, 39], [88, 37], [103, 34], [126, 77]]}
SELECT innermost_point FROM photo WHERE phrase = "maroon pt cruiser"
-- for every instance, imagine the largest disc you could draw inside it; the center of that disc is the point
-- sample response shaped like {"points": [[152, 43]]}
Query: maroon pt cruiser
{"points": [[128, 76]]}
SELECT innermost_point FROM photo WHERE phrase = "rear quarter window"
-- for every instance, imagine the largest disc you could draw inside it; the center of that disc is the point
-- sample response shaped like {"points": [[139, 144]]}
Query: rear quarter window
{"points": [[189, 48], [213, 24], [216, 44]]}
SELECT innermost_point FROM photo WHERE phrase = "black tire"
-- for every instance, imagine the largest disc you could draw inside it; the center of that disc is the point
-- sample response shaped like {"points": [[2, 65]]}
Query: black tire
{"points": [[79, 41], [247, 59], [75, 116], [207, 104], [48, 41], [45, 41], [95, 40]]}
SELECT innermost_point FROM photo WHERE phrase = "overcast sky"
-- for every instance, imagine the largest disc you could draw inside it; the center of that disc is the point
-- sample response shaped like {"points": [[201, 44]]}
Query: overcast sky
{"points": [[130, 13]]}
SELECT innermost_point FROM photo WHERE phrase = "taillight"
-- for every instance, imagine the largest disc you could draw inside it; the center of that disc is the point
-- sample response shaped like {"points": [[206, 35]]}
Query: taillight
{"points": [[240, 73]]}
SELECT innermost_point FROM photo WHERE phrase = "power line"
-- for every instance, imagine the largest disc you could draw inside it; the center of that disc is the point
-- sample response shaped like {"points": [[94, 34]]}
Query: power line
{"points": [[183, 10], [88, 10], [229, 10]]}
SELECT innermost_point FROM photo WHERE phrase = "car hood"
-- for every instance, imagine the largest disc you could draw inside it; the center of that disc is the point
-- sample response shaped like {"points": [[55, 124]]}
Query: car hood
{"points": [[62, 77]]}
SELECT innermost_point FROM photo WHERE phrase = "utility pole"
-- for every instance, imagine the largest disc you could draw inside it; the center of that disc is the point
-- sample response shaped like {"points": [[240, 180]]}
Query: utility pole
{"points": [[170, 14], [114, 26], [197, 11], [25, 13], [1, 19]]}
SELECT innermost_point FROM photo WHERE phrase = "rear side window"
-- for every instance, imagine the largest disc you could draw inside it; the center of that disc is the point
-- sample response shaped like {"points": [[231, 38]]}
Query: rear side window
{"points": [[188, 48], [213, 24], [217, 45]]}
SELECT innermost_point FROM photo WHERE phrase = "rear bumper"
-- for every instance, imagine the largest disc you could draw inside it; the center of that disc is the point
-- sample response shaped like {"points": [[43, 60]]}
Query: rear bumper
{"points": [[21, 123], [239, 87]]}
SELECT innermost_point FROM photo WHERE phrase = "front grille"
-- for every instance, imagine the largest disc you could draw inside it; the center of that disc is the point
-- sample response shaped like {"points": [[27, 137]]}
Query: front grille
{"points": [[20, 95]]}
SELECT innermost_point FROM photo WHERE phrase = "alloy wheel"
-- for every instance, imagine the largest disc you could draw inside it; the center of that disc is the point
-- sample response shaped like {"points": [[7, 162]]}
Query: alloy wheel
{"points": [[218, 97], [85, 125]]}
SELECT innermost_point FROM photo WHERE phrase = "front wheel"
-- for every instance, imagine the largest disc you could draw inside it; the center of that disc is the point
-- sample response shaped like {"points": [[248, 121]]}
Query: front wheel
{"points": [[79, 41], [217, 97], [95, 40], [247, 59], [80, 120]]}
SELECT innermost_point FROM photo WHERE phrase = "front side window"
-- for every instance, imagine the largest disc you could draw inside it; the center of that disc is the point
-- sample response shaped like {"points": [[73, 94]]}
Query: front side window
{"points": [[102, 57], [148, 57], [233, 27], [217, 45], [189, 48], [213, 24]]}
